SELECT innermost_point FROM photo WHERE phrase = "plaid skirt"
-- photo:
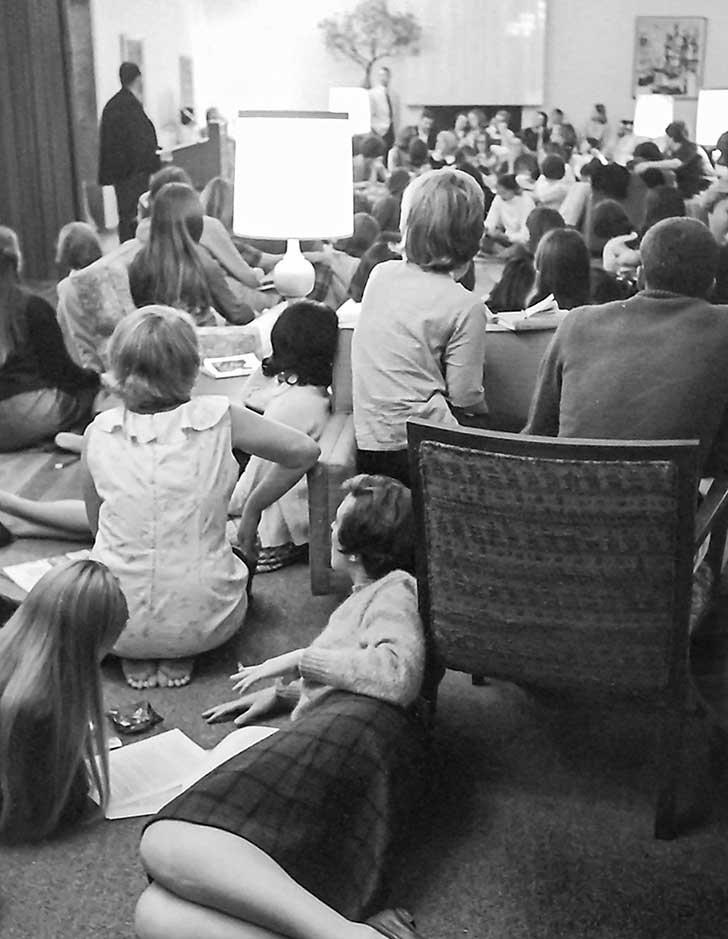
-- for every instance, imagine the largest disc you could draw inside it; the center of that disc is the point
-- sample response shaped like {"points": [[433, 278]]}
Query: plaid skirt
{"points": [[328, 797]]}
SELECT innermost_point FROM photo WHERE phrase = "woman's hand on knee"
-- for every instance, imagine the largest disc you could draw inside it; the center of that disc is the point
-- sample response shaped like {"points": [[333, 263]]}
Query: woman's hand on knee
{"points": [[248, 708]]}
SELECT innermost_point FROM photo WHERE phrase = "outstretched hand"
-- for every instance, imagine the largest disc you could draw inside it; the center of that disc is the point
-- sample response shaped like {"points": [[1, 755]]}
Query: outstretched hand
{"points": [[271, 668], [248, 675], [248, 708]]}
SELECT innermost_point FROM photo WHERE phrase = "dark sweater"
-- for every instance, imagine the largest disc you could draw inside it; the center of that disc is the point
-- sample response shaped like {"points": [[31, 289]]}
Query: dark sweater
{"points": [[653, 367], [127, 140], [40, 359]]}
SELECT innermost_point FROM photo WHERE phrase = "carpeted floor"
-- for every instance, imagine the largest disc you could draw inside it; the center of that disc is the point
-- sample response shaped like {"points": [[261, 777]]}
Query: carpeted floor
{"points": [[540, 823]]}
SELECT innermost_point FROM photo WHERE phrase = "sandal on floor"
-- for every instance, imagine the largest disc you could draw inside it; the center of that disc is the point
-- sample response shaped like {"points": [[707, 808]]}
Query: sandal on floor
{"points": [[277, 556], [394, 924], [140, 673], [174, 673], [252, 567]]}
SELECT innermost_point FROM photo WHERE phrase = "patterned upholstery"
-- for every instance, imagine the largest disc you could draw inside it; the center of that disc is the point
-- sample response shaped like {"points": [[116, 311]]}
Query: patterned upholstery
{"points": [[567, 565], [563, 568]]}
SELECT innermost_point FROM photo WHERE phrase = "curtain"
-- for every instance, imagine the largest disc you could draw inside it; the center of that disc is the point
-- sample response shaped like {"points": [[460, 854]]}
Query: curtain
{"points": [[38, 186]]}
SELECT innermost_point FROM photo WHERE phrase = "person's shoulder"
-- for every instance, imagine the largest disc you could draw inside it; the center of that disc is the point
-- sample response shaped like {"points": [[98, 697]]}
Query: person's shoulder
{"points": [[385, 271], [398, 588]]}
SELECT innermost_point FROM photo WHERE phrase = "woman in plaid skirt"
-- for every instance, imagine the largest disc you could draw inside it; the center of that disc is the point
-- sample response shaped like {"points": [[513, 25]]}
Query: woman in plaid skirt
{"points": [[294, 836]]}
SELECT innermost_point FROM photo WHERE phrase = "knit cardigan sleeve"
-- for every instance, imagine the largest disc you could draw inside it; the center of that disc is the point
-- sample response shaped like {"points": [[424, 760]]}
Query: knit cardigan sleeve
{"points": [[387, 661]]}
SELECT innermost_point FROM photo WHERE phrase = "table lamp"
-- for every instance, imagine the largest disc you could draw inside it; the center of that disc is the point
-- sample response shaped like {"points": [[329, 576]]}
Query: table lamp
{"points": [[652, 114], [355, 101], [712, 116], [293, 180]]}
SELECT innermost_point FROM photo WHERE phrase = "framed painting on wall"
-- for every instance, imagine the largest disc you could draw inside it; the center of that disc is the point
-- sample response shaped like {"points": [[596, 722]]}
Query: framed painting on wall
{"points": [[669, 55]]}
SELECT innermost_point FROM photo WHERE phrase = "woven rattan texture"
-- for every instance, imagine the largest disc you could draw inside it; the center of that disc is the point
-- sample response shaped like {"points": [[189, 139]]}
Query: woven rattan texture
{"points": [[553, 571]]}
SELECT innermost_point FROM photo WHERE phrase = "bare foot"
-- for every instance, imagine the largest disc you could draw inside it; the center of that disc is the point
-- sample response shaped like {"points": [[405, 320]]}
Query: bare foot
{"points": [[140, 673], [174, 673]]}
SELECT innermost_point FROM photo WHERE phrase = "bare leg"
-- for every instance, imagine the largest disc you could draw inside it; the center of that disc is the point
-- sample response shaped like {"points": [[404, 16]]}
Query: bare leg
{"points": [[217, 870], [161, 914], [63, 515]]}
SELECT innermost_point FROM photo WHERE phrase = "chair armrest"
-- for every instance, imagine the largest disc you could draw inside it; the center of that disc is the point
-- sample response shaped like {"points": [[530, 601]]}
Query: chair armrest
{"points": [[712, 511], [336, 463]]}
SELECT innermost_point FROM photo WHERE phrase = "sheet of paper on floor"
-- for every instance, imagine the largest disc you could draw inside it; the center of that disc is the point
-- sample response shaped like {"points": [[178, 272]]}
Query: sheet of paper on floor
{"points": [[147, 774]]}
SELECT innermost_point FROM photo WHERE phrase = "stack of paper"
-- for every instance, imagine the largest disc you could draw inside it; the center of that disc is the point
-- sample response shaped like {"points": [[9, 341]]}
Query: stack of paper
{"points": [[148, 774]]}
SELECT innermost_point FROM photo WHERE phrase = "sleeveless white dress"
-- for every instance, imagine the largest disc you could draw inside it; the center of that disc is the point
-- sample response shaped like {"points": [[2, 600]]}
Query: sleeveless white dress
{"points": [[164, 481]]}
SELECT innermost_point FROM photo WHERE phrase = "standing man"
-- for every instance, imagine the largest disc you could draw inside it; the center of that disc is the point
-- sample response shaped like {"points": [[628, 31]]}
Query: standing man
{"points": [[127, 148], [384, 107]]}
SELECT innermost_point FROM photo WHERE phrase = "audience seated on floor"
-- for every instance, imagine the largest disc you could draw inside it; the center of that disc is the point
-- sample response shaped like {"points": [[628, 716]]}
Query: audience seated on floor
{"points": [[42, 391], [171, 268], [419, 345], [53, 744], [359, 680], [505, 224], [683, 156], [78, 246], [291, 389], [519, 274], [603, 374], [166, 456]]}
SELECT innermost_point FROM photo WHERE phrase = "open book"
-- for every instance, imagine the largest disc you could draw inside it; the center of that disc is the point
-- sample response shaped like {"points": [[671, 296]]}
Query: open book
{"points": [[146, 775], [542, 315]]}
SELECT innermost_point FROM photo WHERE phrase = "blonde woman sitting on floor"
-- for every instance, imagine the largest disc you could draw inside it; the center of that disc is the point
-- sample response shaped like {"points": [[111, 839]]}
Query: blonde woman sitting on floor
{"points": [[158, 476]]}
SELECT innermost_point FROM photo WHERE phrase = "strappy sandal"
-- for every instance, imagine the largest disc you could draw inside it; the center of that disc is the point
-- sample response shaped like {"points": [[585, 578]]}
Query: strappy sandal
{"points": [[252, 567]]}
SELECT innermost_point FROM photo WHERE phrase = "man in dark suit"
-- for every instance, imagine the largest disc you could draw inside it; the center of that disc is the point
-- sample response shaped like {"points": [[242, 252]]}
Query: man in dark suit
{"points": [[127, 147]]}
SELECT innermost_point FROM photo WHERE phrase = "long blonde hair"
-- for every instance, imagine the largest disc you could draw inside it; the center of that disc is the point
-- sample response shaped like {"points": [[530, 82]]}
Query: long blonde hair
{"points": [[51, 710]]}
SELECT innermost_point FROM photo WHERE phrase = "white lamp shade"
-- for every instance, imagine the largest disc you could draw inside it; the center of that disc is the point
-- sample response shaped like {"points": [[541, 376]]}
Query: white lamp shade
{"points": [[293, 175], [712, 115], [652, 114], [355, 101]]}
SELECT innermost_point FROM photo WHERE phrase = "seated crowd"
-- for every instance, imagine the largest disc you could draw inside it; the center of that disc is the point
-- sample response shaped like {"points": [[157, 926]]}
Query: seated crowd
{"points": [[596, 222]]}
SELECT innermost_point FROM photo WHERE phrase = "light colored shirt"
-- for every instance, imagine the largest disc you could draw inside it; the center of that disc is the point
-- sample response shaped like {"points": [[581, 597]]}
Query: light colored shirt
{"points": [[511, 217], [417, 348], [382, 105], [373, 644]]}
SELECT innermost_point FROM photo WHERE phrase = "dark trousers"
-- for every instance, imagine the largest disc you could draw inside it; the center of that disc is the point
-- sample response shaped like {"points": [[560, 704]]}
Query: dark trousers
{"points": [[127, 195], [388, 139], [394, 463]]}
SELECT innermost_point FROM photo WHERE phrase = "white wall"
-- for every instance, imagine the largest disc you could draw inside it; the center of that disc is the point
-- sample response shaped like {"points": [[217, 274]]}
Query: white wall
{"points": [[590, 46], [270, 53], [168, 29]]}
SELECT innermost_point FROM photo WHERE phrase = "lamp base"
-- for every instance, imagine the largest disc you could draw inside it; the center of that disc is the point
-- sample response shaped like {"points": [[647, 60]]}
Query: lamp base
{"points": [[293, 275]]}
